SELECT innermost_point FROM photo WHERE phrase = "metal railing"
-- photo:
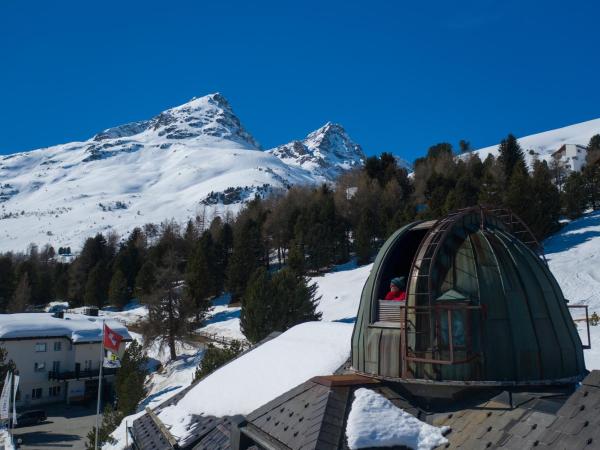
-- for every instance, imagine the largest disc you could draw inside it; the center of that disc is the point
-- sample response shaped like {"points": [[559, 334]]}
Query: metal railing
{"points": [[220, 339], [436, 337], [587, 324], [78, 374]]}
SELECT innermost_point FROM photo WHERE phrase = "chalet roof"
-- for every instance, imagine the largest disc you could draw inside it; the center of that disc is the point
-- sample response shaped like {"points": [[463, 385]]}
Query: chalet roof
{"points": [[313, 416]]}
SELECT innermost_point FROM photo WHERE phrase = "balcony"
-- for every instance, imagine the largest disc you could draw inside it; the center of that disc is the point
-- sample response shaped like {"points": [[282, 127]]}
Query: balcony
{"points": [[79, 374]]}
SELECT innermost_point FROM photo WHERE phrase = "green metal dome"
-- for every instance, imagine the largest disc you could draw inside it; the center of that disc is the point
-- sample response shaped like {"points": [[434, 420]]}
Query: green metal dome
{"points": [[482, 307]]}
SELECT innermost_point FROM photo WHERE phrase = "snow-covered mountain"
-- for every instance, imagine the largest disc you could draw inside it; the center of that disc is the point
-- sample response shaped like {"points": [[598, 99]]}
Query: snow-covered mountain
{"points": [[188, 159], [327, 152], [542, 145]]}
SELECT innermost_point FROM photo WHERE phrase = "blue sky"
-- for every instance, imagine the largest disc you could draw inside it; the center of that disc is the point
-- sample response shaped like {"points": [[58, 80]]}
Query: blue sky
{"points": [[399, 76]]}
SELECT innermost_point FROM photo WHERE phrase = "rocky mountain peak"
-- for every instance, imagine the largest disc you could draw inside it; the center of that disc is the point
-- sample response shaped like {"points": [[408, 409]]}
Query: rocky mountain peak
{"points": [[327, 151], [210, 115]]}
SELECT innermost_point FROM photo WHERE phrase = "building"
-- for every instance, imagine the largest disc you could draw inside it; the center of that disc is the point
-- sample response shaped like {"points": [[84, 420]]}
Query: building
{"points": [[58, 358], [572, 156]]}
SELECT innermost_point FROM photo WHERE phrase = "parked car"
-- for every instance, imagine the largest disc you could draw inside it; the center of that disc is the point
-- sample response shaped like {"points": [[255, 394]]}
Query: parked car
{"points": [[29, 418]]}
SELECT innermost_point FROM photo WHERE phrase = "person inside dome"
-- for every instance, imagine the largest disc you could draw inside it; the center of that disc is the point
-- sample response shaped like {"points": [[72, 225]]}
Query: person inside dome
{"points": [[397, 290]]}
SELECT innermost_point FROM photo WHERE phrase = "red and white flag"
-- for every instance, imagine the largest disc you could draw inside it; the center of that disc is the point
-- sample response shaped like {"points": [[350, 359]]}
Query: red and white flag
{"points": [[112, 339]]}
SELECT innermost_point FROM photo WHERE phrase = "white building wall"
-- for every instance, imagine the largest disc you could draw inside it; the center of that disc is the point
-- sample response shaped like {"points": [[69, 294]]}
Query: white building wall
{"points": [[23, 353]]}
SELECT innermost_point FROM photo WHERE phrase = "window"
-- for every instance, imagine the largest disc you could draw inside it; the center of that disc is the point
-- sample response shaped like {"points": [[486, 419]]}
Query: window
{"points": [[40, 347], [36, 393], [39, 367], [57, 346], [54, 391], [87, 364], [56, 366]]}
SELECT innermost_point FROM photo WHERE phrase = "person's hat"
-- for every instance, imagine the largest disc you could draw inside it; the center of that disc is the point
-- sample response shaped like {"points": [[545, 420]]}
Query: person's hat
{"points": [[399, 282]]}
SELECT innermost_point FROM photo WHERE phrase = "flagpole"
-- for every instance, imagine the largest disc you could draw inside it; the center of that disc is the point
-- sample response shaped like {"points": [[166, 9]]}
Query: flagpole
{"points": [[99, 386]]}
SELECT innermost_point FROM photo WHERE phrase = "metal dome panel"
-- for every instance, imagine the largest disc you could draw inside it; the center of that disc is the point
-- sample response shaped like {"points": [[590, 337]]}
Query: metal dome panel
{"points": [[482, 307]]}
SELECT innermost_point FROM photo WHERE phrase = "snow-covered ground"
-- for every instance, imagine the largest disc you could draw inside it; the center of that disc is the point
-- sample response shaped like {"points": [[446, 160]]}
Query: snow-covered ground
{"points": [[573, 255], [574, 258], [544, 144]]}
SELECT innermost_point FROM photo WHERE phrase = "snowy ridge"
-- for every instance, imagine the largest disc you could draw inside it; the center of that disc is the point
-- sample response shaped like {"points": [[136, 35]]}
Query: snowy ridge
{"points": [[544, 144], [327, 152], [191, 159]]}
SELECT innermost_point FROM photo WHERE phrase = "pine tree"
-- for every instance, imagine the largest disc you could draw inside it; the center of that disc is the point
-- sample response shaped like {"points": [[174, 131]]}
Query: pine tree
{"points": [[511, 156], [296, 259], [129, 381], [145, 280], [545, 209], [257, 317], [111, 419], [298, 300], [222, 235], [94, 251], [518, 195], [465, 146], [593, 150], [22, 295], [491, 185], [201, 279], [118, 292], [276, 303], [7, 282], [96, 289], [215, 357], [591, 180], [248, 254], [363, 238], [574, 196]]}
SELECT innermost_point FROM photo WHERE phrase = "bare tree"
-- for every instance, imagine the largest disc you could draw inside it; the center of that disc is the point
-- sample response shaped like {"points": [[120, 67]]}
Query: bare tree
{"points": [[168, 310]]}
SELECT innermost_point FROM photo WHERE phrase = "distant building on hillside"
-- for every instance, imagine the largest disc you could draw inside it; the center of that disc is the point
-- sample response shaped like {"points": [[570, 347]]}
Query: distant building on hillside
{"points": [[572, 156], [58, 358]]}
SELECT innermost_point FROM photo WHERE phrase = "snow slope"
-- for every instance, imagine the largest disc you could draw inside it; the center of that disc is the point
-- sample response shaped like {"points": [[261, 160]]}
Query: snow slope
{"points": [[302, 352], [544, 144], [574, 258], [187, 159]]}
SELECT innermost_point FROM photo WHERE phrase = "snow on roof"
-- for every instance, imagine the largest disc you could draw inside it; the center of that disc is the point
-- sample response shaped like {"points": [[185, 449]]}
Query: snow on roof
{"points": [[76, 327], [374, 421], [259, 376]]}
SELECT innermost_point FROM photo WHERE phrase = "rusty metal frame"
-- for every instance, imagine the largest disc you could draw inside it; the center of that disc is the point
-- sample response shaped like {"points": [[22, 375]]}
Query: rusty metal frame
{"points": [[587, 324], [429, 310], [429, 249]]}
